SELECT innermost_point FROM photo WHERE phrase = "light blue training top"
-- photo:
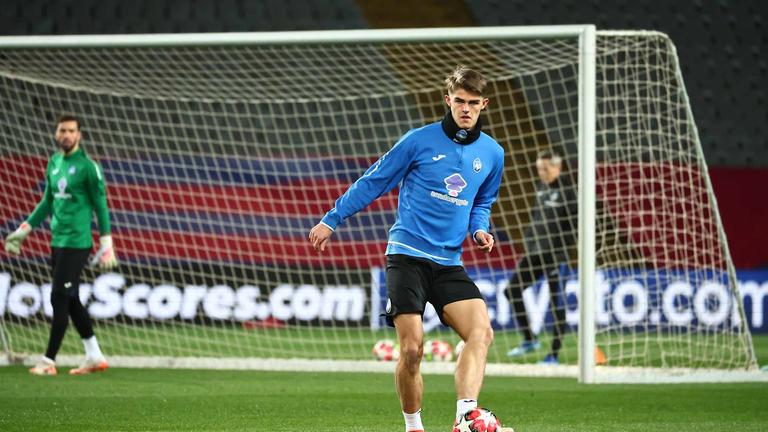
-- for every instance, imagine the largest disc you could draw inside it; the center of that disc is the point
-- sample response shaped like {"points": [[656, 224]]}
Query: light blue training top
{"points": [[446, 189]]}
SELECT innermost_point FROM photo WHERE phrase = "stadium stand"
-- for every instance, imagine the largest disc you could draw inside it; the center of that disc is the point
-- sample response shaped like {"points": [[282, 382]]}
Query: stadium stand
{"points": [[716, 41], [721, 46]]}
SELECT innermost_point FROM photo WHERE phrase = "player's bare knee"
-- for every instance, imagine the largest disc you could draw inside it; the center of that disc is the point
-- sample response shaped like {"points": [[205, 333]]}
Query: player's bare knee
{"points": [[488, 336], [482, 336], [411, 355]]}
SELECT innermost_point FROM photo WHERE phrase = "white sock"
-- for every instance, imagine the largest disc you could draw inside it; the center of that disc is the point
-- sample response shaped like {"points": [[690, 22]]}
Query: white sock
{"points": [[92, 350], [464, 405], [413, 421], [47, 361]]}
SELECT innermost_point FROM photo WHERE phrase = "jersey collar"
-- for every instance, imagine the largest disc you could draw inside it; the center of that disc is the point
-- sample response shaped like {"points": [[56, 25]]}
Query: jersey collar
{"points": [[77, 153], [453, 131]]}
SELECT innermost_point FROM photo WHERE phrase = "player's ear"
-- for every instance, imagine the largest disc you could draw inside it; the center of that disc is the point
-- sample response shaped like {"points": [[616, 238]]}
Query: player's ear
{"points": [[485, 103], [448, 99]]}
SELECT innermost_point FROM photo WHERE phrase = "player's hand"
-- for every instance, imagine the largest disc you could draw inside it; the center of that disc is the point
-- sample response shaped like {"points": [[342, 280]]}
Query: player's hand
{"points": [[14, 239], [484, 241], [319, 236], [105, 257]]}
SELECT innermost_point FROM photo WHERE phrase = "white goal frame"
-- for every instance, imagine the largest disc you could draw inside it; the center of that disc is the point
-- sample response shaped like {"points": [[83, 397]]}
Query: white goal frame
{"points": [[587, 35]]}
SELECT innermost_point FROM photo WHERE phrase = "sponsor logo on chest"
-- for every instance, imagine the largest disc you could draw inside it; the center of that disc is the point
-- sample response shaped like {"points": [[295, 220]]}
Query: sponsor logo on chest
{"points": [[550, 198], [61, 185]]}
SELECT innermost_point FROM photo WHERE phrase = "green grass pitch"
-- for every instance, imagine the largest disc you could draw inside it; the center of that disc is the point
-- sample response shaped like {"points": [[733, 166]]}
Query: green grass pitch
{"points": [[194, 400]]}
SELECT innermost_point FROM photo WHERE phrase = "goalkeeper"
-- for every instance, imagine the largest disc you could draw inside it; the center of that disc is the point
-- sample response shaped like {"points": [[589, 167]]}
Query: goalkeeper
{"points": [[449, 174], [74, 189], [550, 233]]}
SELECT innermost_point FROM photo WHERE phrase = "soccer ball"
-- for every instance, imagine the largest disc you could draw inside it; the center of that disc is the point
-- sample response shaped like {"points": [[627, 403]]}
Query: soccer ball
{"points": [[386, 350], [459, 348], [437, 350], [477, 420]]}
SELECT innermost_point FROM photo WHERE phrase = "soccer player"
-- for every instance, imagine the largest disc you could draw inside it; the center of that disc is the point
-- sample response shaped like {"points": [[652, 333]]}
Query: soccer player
{"points": [[449, 174], [550, 233], [74, 189]]}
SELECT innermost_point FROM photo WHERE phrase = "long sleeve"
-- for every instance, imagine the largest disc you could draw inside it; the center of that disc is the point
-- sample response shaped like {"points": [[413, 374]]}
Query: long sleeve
{"points": [[44, 207], [479, 216], [97, 193], [570, 220], [379, 179]]}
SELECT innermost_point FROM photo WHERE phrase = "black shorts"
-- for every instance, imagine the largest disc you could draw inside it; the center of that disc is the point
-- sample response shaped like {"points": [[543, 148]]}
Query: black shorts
{"points": [[67, 265], [412, 282]]}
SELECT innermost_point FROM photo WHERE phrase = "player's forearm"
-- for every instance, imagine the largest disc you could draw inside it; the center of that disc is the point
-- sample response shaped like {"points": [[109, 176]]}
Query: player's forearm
{"points": [[332, 219], [45, 207], [346, 206], [102, 216], [378, 179], [98, 195], [41, 211], [360, 195], [479, 221], [480, 215]]}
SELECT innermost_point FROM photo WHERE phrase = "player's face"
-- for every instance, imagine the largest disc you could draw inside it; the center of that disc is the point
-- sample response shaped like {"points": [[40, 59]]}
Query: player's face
{"points": [[548, 171], [67, 135], [465, 107]]}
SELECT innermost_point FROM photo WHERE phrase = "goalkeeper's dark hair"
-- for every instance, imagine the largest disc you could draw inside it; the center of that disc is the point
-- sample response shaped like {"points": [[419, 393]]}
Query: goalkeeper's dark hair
{"points": [[467, 79], [67, 117]]}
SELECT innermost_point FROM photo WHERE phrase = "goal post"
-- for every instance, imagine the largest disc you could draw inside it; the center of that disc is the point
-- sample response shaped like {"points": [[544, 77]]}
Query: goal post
{"points": [[586, 197], [221, 151]]}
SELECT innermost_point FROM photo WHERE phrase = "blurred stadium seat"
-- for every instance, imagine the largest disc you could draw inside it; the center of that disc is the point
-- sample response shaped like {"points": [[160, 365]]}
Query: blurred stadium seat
{"points": [[721, 45]]}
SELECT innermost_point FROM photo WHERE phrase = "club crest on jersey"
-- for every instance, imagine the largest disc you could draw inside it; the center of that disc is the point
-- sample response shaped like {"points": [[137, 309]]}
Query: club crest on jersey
{"points": [[455, 183], [477, 165], [72, 170]]}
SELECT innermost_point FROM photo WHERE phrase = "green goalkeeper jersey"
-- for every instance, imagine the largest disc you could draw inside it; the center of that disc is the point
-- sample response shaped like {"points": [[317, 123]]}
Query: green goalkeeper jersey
{"points": [[74, 189]]}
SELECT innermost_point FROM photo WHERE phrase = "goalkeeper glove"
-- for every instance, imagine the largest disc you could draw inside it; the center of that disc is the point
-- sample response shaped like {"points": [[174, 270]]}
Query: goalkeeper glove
{"points": [[105, 257], [14, 239]]}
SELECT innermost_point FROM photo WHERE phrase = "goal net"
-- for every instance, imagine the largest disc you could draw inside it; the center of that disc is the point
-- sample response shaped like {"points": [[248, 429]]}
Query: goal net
{"points": [[219, 158]]}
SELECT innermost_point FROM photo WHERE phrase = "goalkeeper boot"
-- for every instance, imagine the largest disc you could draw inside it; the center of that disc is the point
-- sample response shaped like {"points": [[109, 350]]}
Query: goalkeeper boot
{"points": [[524, 348], [44, 366], [550, 360], [90, 366]]}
